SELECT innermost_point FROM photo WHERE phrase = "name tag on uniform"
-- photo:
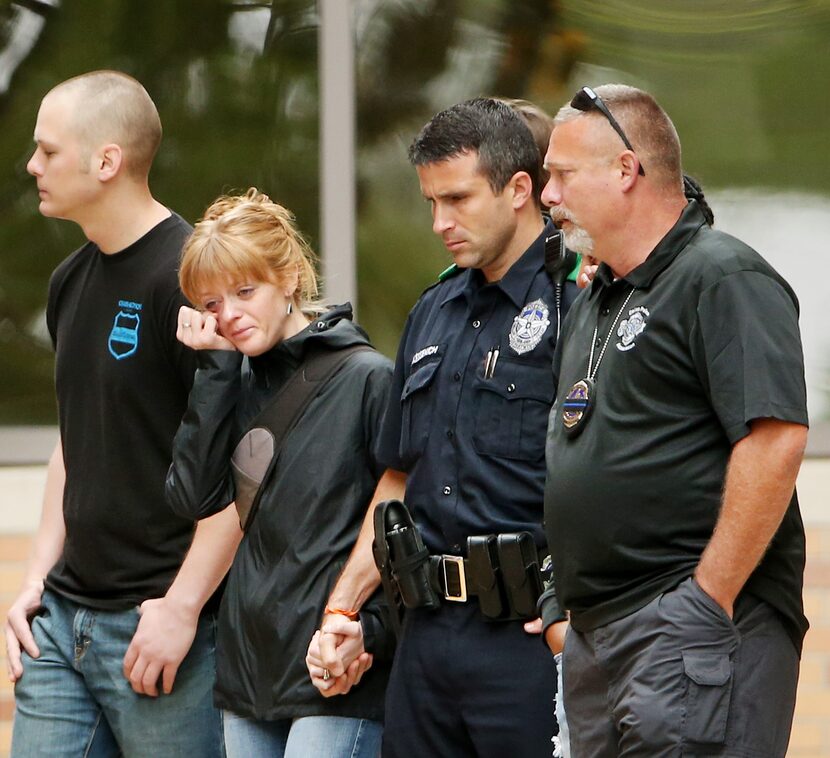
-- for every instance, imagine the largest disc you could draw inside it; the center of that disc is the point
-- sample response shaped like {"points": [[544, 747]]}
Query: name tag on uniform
{"points": [[424, 353]]}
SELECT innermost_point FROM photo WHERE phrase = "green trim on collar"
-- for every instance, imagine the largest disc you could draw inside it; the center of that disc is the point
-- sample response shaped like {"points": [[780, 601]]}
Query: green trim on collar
{"points": [[449, 272], [572, 276]]}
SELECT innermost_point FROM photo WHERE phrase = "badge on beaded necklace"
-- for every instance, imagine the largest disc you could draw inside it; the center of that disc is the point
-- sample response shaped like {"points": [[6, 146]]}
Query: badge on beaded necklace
{"points": [[577, 406], [579, 402]]}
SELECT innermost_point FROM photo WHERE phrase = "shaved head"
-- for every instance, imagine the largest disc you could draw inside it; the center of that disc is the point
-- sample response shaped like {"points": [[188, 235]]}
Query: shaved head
{"points": [[111, 107]]}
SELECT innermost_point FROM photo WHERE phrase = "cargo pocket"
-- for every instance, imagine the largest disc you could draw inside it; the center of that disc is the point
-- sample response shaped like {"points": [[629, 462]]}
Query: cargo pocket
{"points": [[416, 410], [708, 696]]}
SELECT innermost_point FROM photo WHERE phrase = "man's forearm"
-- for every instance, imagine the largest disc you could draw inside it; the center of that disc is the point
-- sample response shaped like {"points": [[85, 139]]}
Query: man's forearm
{"points": [[47, 545], [360, 577], [207, 561], [760, 479], [356, 583], [46, 549], [168, 625]]}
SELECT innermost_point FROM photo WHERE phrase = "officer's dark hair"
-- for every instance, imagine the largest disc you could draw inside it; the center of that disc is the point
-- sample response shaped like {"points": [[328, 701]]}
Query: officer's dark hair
{"points": [[487, 127]]}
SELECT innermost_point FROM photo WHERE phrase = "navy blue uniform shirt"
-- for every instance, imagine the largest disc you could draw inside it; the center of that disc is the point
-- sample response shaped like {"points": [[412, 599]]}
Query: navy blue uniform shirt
{"points": [[473, 446]]}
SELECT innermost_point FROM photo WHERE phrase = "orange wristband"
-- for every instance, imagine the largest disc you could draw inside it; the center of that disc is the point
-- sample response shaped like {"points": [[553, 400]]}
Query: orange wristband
{"points": [[351, 615]]}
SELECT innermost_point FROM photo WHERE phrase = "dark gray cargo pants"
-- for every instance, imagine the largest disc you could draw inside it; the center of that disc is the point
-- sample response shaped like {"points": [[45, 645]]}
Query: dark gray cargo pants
{"points": [[679, 678]]}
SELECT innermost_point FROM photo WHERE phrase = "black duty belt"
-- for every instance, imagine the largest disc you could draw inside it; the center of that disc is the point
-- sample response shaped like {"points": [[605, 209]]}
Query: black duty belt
{"points": [[500, 570], [451, 577]]}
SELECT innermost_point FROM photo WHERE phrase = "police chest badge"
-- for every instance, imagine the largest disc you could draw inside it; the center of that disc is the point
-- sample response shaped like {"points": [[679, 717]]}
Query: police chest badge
{"points": [[529, 327], [577, 406], [630, 328]]}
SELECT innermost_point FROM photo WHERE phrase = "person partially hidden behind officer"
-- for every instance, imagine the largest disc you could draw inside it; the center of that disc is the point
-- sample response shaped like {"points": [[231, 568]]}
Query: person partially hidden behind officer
{"points": [[110, 642], [466, 424], [673, 448]]}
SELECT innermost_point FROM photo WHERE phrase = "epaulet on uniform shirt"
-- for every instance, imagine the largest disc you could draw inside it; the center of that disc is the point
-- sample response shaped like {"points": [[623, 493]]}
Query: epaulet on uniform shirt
{"points": [[449, 272]]}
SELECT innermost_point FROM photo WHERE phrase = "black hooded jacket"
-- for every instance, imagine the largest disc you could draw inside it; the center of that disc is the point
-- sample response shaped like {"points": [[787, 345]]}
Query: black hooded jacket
{"points": [[307, 523]]}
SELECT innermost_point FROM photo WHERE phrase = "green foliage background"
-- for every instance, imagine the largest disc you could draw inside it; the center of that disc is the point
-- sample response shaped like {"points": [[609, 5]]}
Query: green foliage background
{"points": [[745, 82]]}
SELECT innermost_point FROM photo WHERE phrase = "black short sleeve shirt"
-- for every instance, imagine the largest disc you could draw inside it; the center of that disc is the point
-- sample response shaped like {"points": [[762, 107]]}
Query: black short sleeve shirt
{"points": [[472, 441], [122, 381], [696, 343]]}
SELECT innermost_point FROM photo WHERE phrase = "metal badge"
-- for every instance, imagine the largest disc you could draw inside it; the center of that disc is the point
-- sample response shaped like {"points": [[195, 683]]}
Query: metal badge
{"points": [[529, 327], [577, 406]]}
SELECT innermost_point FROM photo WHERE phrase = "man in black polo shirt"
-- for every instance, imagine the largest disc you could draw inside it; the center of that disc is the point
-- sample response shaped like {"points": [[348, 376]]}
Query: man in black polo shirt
{"points": [[672, 452]]}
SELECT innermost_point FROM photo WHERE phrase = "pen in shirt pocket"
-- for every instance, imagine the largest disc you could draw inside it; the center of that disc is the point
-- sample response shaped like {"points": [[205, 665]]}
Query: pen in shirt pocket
{"points": [[490, 362]]}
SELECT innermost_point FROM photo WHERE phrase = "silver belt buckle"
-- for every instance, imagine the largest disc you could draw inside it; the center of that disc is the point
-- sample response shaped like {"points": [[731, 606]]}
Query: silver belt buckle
{"points": [[458, 562]]}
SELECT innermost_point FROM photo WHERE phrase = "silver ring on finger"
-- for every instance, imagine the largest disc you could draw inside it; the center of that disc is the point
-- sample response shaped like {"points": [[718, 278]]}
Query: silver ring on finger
{"points": [[326, 675], [186, 324]]}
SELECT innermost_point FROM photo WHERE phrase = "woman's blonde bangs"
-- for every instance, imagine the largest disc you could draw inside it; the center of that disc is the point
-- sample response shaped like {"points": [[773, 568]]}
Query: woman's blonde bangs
{"points": [[218, 258]]}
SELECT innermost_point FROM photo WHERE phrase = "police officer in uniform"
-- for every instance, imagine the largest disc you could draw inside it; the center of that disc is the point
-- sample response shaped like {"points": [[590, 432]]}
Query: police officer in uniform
{"points": [[466, 425]]}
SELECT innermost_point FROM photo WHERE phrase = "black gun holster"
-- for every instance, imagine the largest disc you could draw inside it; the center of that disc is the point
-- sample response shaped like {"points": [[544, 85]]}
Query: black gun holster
{"points": [[402, 560]]}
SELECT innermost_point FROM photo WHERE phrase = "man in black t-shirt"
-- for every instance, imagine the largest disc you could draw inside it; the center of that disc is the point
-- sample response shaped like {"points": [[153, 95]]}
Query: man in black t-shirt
{"points": [[116, 601], [673, 449]]}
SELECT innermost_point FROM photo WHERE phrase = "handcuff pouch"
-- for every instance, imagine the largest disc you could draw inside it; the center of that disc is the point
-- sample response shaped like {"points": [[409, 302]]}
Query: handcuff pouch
{"points": [[483, 577], [519, 561]]}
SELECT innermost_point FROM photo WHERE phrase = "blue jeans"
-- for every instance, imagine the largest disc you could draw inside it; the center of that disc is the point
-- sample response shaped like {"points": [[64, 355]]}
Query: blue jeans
{"points": [[74, 700], [320, 736]]}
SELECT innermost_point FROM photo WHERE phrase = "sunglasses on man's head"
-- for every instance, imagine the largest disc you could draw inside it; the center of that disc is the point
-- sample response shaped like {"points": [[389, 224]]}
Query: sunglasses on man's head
{"points": [[586, 99]]}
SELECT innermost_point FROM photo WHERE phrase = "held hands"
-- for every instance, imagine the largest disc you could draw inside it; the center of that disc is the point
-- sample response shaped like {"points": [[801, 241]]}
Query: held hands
{"points": [[337, 647], [18, 629], [162, 639], [200, 331]]}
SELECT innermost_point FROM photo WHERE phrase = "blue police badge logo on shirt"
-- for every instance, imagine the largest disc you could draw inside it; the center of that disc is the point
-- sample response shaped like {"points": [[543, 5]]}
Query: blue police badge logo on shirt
{"points": [[529, 327], [123, 337], [630, 328]]}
